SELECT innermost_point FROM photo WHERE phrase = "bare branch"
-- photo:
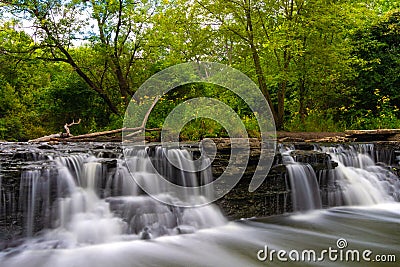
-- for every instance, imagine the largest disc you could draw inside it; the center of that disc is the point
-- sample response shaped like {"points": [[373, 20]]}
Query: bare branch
{"points": [[67, 125], [149, 111]]}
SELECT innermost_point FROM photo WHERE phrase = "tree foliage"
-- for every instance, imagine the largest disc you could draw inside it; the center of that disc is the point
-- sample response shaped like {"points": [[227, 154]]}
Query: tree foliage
{"points": [[321, 65], [114, 33]]}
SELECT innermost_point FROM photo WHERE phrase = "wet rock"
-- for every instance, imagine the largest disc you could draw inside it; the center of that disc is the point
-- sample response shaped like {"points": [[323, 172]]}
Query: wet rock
{"points": [[108, 162], [44, 146], [146, 234], [185, 229], [304, 146], [305, 156], [107, 154], [99, 147], [277, 169]]}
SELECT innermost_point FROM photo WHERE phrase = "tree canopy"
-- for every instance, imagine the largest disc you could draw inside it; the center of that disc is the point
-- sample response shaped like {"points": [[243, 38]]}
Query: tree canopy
{"points": [[321, 65]]}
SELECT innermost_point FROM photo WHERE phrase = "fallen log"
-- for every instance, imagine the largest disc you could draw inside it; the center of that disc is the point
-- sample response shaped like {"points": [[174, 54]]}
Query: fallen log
{"points": [[82, 137], [96, 134], [69, 137], [135, 131], [47, 138]]}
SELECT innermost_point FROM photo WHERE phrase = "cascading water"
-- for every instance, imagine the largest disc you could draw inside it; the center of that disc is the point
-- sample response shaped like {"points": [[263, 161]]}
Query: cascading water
{"points": [[29, 190], [83, 217], [82, 199], [305, 189], [360, 180], [143, 212], [74, 164], [305, 192], [357, 180], [71, 201]]}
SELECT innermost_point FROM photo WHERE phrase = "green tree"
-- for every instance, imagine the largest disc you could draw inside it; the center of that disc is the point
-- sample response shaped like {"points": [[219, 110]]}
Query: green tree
{"points": [[287, 46], [68, 98], [324, 67], [115, 32], [377, 49], [21, 81]]}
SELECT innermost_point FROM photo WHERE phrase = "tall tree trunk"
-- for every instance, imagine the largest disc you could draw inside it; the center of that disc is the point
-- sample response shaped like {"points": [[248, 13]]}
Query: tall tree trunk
{"points": [[302, 106], [282, 90], [302, 86], [257, 63], [123, 85], [281, 105]]}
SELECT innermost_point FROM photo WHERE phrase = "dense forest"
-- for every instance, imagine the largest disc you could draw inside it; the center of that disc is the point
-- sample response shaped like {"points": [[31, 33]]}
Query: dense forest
{"points": [[322, 65]]}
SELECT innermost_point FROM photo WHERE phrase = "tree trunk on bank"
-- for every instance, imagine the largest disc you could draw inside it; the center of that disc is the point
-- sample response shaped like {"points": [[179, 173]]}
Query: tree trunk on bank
{"points": [[302, 106], [281, 106], [257, 63]]}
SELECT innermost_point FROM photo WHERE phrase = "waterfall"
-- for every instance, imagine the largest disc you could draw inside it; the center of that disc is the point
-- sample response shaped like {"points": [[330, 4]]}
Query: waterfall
{"points": [[75, 209], [360, 180], [86, 219], [34, 198], [74, 164], [304, 187], [82, 199], [142, 212], [206, 178], [121, 183], [357, 180], [76, 198]]}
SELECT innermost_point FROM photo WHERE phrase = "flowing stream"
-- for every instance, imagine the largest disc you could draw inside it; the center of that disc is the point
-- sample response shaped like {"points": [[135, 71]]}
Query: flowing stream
{"points": [[85, 209]]}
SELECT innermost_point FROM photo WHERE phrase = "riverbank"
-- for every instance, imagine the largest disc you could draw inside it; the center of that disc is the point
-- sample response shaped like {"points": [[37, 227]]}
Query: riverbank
{"points": [[281, 136]]}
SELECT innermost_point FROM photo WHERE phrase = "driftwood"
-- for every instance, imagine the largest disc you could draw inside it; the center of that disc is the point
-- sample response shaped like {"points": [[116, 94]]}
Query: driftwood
{"points": [[96, 134], [67, 125], [48, 138], [69, 137]]}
